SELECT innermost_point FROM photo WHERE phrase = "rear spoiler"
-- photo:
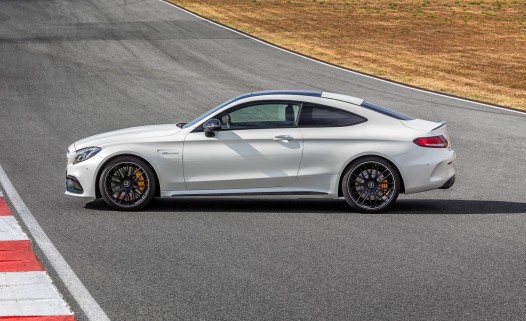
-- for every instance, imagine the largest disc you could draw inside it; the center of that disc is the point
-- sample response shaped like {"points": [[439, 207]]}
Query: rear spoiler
{"points": [[442, 124]]}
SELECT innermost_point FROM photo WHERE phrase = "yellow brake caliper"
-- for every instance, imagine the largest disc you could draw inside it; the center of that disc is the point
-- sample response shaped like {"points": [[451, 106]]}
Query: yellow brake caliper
{"points": [[140, 181], [384, 185]]}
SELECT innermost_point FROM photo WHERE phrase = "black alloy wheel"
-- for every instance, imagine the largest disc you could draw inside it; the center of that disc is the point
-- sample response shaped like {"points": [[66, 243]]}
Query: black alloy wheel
{"points": [[127, 183], [371, 185]]}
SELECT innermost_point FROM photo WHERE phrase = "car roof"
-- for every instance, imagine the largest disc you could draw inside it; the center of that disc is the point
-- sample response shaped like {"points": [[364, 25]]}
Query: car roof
{"points": [[310, 93]]}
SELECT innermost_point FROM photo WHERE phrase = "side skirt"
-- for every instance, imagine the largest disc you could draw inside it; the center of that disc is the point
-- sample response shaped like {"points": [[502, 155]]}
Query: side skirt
{"points": [[237, 194]]}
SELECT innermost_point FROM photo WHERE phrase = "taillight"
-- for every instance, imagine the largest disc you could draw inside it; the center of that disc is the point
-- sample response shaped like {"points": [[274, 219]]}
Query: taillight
{"points": [[432, 142]]}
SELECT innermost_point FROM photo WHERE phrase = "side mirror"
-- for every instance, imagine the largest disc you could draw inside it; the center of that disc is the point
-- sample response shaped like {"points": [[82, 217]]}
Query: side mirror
{"points": [[211, 126]]}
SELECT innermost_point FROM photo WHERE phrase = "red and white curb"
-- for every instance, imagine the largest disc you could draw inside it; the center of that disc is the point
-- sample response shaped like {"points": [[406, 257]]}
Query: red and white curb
{"points": [[26, 291]]}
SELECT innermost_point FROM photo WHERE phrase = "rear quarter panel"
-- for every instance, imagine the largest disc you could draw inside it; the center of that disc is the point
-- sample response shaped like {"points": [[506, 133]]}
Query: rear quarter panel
{"points": [[328, 151]]}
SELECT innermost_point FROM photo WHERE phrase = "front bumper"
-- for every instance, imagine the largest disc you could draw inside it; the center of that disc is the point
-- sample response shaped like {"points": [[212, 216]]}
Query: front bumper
{"points": [[81, 178]]}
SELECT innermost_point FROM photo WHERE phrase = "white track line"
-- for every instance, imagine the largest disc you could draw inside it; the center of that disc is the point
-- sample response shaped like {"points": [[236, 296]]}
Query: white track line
{"points": [[75, 287], [341, 68]]}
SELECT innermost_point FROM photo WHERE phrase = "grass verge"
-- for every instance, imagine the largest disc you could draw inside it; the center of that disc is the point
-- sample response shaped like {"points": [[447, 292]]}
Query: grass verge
{"points": [[475, 49]]}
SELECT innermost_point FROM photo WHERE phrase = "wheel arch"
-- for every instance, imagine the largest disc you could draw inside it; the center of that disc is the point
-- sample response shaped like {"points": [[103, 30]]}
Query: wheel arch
{"points": [[342, 174], [101, 169]]}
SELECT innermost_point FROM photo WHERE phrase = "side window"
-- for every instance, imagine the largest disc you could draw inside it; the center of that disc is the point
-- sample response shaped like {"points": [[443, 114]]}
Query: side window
{"points": [[321, 116], [261, 115]]}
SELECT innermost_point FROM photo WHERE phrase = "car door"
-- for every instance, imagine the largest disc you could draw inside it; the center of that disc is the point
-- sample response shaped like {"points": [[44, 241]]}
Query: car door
{"points": [[258, 146]]}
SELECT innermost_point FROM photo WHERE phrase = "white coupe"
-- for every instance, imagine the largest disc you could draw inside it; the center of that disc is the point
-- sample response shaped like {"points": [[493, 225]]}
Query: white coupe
{"points": [[301, 144]]}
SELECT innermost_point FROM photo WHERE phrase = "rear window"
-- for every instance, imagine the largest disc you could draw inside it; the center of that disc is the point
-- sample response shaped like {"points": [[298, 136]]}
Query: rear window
{"points": [[385, 111], [322, 116]]}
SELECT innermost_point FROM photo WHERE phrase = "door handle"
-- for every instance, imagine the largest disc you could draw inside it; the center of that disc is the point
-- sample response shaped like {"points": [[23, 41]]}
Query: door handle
{"points": [[283, 138]]}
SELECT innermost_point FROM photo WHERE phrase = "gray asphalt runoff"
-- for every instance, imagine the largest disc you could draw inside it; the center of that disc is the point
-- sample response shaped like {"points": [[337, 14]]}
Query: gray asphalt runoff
{"points": [[71, 69]]}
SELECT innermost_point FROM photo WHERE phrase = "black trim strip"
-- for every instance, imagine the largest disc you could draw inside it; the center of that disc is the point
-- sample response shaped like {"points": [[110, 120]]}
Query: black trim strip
{"points": [[254, 194], [73, 185]]}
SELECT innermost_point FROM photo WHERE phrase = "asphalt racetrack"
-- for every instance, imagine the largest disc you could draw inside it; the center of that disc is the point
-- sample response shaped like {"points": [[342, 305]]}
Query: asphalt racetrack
{"points": [[71, 69]]}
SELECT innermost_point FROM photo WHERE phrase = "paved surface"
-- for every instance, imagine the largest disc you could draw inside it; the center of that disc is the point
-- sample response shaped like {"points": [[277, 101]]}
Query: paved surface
{"points": [[70, 69]]}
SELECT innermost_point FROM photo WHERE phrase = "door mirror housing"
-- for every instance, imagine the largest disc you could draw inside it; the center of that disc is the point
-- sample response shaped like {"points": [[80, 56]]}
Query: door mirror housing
{"points": [[211, 126]]}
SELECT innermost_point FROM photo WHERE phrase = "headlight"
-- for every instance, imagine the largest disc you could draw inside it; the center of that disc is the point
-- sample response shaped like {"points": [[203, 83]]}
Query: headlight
{"points": [[85, 154]]}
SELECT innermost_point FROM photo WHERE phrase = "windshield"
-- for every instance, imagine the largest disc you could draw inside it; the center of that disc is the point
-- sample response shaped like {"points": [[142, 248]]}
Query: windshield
{"points": [[208, 113]]}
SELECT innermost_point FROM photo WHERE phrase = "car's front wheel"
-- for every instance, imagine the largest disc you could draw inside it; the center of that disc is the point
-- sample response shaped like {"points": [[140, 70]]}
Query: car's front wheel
{"points": [[127, 183], [371, 185]]}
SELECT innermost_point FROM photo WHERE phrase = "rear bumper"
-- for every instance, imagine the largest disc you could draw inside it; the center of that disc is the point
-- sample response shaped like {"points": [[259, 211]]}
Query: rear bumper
{"points": [[429, 169]]}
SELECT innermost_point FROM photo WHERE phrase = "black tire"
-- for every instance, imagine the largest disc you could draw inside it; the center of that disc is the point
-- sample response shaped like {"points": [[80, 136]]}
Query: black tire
{"points": [[127, 183], [371, 185]]}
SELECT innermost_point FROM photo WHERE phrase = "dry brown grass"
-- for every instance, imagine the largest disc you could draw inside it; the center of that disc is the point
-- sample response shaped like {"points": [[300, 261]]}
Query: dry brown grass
{"points": [[475, 49]]}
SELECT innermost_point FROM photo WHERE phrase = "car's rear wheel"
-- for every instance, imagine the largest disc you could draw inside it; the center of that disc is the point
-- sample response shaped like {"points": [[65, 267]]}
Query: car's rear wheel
{"points": [[371, 185], [127, 183]]}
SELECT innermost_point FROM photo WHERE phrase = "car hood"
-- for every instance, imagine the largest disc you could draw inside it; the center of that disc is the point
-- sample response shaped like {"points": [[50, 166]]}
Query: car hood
{"points": [[127, 134]]}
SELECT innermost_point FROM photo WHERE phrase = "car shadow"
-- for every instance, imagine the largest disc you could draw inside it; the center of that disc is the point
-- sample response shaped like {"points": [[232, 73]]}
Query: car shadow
{"points": [[403, 206]]}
